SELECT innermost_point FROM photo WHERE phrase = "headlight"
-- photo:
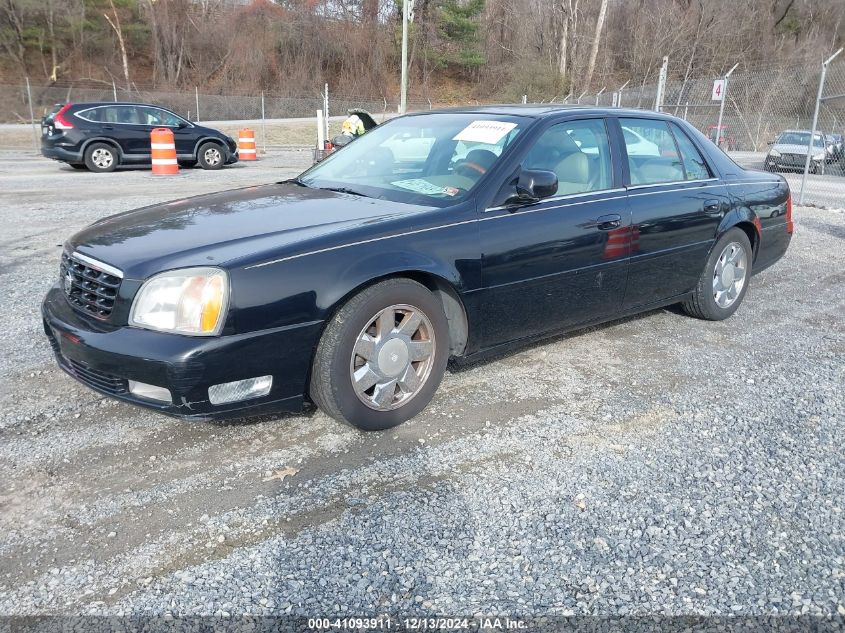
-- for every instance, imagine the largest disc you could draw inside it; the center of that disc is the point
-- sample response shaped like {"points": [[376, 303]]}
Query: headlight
{"points": [[186, 301], [774, 153]]}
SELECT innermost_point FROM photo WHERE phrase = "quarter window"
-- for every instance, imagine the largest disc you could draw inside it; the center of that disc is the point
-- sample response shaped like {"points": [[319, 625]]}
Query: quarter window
{"points": [[578, 152], [694, 164], [653, 156]]}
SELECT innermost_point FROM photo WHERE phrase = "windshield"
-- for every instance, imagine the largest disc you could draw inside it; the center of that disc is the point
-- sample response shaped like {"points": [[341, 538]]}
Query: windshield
{"points": [[799, 138], [431, 159]]}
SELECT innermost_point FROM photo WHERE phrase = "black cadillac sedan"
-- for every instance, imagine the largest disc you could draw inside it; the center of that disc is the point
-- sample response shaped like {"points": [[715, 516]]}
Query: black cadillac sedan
{"points": [[448, 234]]}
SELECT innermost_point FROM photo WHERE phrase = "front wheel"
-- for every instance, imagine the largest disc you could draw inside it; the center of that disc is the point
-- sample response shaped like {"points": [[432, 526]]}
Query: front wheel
{"points": [[724, 281], [382, 356], [210, 156]]}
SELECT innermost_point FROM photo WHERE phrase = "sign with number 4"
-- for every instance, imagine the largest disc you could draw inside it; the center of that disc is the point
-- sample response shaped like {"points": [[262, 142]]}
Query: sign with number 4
{"points": [[718, 90]]}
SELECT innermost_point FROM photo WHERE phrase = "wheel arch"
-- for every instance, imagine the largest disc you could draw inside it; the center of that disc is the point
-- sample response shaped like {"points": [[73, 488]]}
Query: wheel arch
{"points": [[746, 221], [206, 139], [439, 285], [106, 140]]}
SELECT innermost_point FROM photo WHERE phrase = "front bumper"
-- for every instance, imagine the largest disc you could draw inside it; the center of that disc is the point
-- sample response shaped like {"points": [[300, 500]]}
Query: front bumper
{"points": [[105, 357], [777, 163]]}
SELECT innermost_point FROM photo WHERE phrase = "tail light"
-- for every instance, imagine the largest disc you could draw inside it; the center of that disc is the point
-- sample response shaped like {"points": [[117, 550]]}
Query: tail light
{"points": [[789, 225], [60, 122]]}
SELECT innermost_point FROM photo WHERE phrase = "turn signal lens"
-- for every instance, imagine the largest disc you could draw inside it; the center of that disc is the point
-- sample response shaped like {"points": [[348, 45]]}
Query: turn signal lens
{"points": [[187, 301]]}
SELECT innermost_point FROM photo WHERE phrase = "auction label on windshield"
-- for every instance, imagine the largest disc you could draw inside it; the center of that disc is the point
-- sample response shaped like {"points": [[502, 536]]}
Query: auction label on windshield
{"points": [[484, 132]]}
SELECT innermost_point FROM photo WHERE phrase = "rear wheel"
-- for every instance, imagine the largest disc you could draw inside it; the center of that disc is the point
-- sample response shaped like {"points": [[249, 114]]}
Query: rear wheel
{"points": [[382, 356], [101, 158], [210, 156], [724, 281]]}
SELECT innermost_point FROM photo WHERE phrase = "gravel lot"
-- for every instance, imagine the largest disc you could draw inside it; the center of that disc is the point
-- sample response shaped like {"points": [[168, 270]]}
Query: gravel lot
{"points": [[656, 465]]}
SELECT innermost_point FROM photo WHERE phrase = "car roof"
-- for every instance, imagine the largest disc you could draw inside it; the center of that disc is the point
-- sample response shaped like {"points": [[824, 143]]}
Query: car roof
{"points": [[91, 104], [541, 110]]}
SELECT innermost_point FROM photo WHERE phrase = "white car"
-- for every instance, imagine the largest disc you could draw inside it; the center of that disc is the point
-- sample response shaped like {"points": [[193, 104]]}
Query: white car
{"points": [[638, 145]]}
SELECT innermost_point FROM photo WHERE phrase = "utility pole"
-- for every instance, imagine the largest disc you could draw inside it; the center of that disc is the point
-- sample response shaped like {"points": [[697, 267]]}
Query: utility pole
{"points": [[722, 106], [407, 17]]}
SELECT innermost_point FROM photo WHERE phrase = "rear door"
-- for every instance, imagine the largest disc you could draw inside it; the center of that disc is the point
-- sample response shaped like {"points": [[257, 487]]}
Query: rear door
{"points": [[563, 260], [676, 203], [123, 124]]}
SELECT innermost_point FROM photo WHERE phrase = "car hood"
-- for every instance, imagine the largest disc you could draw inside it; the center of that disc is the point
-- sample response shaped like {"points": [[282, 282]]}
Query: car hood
{"points": [[794, 149], [214, 229]]}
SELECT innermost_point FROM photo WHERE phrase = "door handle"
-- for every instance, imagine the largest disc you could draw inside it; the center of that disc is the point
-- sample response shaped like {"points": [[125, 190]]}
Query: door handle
{"points": [[108, 127], [713, 207], [608, 222]]}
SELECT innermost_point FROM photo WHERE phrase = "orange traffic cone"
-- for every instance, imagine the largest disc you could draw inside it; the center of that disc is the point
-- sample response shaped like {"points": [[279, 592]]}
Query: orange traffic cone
{"points": [[163, 152], [246, 145]]}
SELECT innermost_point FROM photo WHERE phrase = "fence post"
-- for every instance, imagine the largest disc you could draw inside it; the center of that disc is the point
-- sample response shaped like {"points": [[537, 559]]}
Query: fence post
{"points": [[114, 90], [815, 122], [326, 109], [197, 97], [263, 127], [722, 106], [661, 85], [619, 96], [598, 94], [32, 117]]}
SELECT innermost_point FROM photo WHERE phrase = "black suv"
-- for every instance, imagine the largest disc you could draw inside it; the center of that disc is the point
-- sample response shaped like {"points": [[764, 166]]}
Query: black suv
{"points": [[101, 136]]}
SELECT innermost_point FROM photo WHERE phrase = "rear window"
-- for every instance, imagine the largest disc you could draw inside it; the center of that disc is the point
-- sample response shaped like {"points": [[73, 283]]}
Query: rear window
{"points": [[694, 163]]}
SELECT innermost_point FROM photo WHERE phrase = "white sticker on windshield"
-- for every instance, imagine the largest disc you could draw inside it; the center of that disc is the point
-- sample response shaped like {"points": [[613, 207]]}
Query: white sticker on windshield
{"points": [[490, 132], [419, 185]]}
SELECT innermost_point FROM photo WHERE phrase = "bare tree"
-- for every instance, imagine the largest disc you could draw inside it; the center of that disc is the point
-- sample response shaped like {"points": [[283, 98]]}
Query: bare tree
{"points": [[594, 51], [119, 31]]}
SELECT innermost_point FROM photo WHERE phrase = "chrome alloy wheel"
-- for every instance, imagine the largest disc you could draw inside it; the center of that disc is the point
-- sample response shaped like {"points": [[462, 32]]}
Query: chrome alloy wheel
{"points": [[102, 158], [729, 275], [212, 156], [392, 357]]}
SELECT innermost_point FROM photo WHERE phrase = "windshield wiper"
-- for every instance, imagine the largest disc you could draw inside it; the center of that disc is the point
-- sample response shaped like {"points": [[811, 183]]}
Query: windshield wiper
{"points": [[296, 181], [345, 190]]}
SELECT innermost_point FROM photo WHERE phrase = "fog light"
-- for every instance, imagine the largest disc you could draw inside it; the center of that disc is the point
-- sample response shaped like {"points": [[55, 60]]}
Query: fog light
{"points": [[240, 390], [150, 392]]}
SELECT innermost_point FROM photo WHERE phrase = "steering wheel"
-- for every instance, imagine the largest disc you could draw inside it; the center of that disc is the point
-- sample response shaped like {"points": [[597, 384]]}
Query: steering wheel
{"points": [[470, 168]]}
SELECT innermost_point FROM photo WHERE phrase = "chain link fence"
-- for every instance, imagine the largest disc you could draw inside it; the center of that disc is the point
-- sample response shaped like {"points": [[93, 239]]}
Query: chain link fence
{"points": [[755, 109], [759, 106]]}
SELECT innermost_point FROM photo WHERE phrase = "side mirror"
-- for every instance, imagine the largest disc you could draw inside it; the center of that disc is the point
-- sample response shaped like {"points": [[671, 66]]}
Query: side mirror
{"points": [[770, 142], [536, 184], [182, 124]]}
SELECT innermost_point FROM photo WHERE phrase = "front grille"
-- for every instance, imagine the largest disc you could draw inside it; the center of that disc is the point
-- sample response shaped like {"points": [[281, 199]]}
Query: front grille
{"points": [[88, 289], [101, 380]]}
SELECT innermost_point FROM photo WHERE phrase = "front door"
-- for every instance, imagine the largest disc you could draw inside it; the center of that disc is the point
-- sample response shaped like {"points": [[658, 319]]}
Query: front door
{"points": [[676, 204], [184, 136], [563, 260]]}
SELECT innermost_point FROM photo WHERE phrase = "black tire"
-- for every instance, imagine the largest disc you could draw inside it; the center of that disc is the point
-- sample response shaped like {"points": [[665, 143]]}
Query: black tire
{"points": [[211, 155], [78, 167], [97, 158], [702, 304], [331, 386]]}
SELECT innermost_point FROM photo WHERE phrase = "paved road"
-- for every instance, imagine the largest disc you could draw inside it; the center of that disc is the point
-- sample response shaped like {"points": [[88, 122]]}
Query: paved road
{"points": [[658, 464]]}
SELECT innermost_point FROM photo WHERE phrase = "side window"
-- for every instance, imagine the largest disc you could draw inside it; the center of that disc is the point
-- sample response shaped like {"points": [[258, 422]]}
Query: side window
{"points": [[578, 152], [157, 116], [126, 114], [694, 163], [652, 153]]}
